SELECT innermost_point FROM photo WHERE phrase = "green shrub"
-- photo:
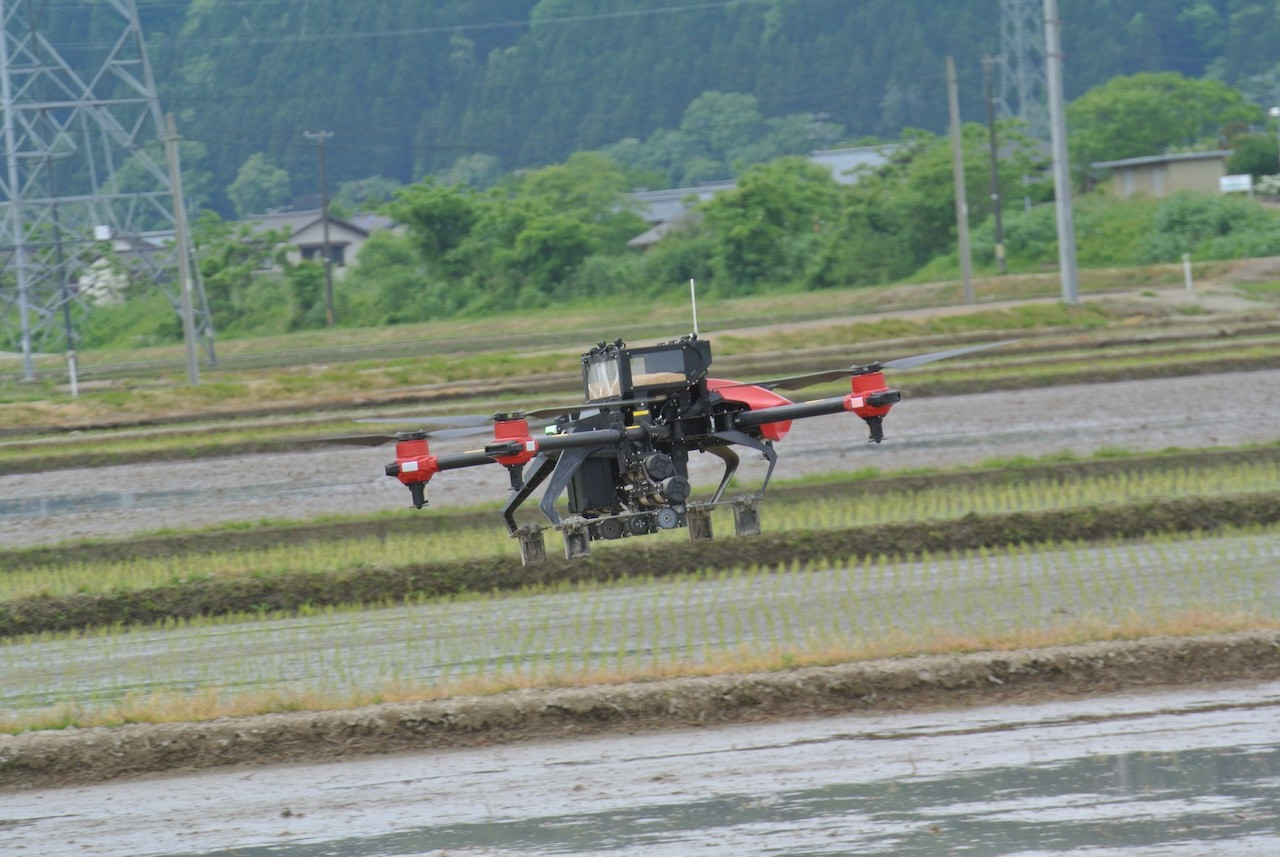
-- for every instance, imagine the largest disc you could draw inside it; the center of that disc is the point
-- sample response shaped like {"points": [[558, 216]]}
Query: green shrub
{"points": [[1210, 227]]}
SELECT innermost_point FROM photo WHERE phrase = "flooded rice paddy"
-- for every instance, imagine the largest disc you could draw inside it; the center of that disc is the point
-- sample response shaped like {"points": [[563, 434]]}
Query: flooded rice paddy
{"points": [[353, 654], [1187, 772]]}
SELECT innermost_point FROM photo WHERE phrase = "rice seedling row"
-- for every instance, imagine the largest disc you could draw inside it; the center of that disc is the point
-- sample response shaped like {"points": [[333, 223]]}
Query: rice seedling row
{"points": [[877, 605], [845, 509]]}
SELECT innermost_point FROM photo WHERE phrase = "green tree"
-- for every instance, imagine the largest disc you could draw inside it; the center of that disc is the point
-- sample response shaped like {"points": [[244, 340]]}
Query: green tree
{"points": [[720, 134], [306, 286], [903, 215], [721, 123], [1152, 113], [439, 217], [868, 244], [588, 187], [478, 170], [142, 175], [1211, 226], [233, 263], [549, 249], [259, 186], [1255, 154], [365, 194], [764, 228]]}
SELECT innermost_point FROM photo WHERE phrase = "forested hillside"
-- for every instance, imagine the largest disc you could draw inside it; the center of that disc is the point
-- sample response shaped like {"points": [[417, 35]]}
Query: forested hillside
{"points": [[411, 86], [503, 136]]}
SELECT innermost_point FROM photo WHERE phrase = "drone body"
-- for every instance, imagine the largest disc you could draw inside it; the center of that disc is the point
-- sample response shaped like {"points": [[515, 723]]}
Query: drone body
{"points": [[622, 456]]}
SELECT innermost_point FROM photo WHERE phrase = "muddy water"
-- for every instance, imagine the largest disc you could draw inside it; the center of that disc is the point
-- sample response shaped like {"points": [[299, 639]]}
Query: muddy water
{"points": [[1172, 773]]}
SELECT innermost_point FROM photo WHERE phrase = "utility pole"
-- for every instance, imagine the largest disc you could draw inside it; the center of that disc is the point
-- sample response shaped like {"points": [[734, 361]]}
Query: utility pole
{"points": [[64, 290], [184, 249], [1061, 166], [1274, 113], [996, 203], [957, 173], [320, 137]]}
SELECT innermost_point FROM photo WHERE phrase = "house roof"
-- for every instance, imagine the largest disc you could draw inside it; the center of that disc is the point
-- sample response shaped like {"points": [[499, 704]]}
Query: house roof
{"points": [[299, 221], [659, 206], [659, 231], [846, 164], [1162, 159]]}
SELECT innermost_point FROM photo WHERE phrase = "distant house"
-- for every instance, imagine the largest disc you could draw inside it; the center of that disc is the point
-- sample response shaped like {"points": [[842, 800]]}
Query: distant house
{"points": [[103, 281], [306, 233], [847, 165], [1161, 175], [668, 210]]}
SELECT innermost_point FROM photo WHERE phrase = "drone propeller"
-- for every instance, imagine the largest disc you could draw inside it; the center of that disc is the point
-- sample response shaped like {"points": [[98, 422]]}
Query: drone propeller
{"points": [[921, 359], [463, 425], [461, 421], [358, 439], [795, 382], [474, 420], [379, 439]]}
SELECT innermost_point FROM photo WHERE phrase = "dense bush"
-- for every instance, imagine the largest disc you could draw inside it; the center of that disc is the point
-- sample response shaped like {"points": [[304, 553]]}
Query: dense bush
{"points": [[1210, 226]]}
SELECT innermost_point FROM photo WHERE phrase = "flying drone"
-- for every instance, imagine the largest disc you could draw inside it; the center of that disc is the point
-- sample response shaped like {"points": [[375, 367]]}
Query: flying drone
{"points": [[622, 455]]}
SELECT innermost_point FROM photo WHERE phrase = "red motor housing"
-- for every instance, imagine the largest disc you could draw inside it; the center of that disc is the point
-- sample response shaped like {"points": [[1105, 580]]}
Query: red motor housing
{"points": [[512, 440], [414, 462], [863, 387]]}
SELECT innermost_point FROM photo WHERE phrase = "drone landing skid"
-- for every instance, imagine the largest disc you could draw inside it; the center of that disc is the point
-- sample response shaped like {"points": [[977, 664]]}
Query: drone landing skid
{"points": [[578, 532]]}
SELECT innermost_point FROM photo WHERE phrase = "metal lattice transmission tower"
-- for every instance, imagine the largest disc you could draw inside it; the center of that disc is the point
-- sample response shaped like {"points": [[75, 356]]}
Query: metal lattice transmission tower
{"points": [[1023, 93], [85, 196]]}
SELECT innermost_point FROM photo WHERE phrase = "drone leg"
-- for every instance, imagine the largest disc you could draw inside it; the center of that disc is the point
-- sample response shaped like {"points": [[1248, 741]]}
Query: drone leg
{"points": [[766, 449], [699, 518], [542, 465], [568, 464], [746, 516], [533, 548], [577, 541], [730, 467]]}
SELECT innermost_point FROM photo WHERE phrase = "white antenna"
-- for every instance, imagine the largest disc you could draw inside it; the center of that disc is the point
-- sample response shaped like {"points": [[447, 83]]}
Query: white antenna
{"points": [[693, 298]]}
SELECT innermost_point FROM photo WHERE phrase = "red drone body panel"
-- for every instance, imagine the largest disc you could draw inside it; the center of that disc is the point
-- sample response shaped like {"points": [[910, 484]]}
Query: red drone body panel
{"points": [[755, 399]]}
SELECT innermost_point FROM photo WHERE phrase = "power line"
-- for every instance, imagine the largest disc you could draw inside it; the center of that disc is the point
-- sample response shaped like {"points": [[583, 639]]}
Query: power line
{"points": [[348, 35]]}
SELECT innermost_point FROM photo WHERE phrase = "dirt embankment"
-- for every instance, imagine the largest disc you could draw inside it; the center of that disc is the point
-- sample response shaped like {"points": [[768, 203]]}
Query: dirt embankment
{"points": [[43, 759]]}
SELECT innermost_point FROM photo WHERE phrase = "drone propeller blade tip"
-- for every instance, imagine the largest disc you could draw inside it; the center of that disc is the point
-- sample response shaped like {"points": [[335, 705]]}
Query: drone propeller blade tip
{"points": [[921, 359], [357, 440]]}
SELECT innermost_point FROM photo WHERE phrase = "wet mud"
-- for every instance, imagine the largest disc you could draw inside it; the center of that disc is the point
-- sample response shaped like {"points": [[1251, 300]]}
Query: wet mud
{"points": [[42, 759]]}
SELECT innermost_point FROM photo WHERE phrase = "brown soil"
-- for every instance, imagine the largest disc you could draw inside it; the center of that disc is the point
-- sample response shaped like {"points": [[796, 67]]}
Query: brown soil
{"points": [[43, 759]]}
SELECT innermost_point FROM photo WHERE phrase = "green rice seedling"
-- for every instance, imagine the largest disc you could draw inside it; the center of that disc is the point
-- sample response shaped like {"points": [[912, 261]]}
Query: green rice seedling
{"points": [[626, 628], [834, 510]]}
